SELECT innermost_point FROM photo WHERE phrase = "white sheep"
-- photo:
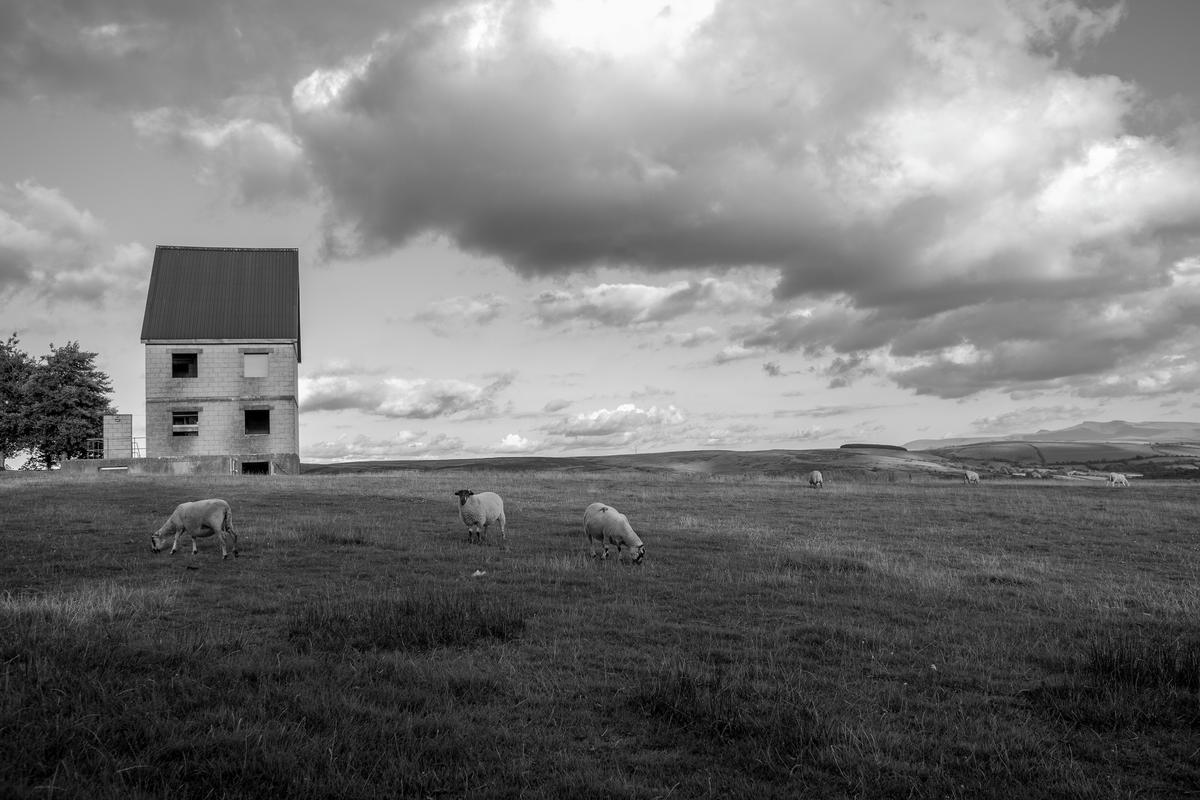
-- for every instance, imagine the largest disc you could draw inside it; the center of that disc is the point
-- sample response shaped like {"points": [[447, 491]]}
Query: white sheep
{"points": [[815, 479], [604, 524], [970, 477], [197, 519], [479, 511], [1117, 479]]}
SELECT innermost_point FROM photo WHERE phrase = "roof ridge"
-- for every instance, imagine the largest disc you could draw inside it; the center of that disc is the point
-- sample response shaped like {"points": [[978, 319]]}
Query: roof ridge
{"points": [[227, 249]]}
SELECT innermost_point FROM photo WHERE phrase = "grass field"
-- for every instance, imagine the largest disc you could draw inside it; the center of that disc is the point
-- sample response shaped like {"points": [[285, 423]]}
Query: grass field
{"points": [[1008, 640]]}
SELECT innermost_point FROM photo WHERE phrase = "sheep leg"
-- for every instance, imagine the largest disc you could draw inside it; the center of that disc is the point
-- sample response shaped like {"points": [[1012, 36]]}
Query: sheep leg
{"points": [[227, 527]]}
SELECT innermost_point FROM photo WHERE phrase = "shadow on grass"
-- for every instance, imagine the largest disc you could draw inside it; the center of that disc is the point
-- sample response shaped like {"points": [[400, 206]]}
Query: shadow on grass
{"points": [[406, 622], [761, 723], [1136, 680]]}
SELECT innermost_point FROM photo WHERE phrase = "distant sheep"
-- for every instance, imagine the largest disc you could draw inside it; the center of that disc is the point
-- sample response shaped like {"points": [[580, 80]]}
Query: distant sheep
{"points": [[197, 519], [604, 524], [1117, 479], [815, 479], [970, 477], [480, 511]]}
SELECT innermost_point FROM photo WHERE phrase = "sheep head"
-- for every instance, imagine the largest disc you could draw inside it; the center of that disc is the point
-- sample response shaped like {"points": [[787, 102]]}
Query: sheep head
{"points": [[158, 538], [462, 495]]}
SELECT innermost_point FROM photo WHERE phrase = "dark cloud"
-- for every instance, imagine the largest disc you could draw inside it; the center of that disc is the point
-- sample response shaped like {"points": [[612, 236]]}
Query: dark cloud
{"points": [[141, 54], [954, 228], [842, 371]]}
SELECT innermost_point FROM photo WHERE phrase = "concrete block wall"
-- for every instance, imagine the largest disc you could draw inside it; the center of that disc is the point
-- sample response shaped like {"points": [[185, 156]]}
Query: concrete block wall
{"points": [[279, 463], [221, 394], [118, 435]]}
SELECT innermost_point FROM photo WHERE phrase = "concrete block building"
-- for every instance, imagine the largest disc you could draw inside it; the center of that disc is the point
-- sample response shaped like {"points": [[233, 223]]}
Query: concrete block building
{"points": [[222, 337]]}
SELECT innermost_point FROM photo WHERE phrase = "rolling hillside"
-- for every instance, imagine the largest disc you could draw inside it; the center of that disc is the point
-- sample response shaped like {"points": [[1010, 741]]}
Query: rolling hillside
{"points": [[857, 462], [1087, 450], [1115, 431], [1141, 449]]}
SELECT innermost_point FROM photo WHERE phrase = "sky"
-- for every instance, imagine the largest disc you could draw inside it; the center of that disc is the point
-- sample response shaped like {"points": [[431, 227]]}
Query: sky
{"points": [[571, 227]]}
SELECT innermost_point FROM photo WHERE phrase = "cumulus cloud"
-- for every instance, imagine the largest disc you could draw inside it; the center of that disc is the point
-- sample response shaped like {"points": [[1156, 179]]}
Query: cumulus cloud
{"points": [[936, 201], [1011, 346], [949, 161], [58, 251], [627, 425], [627, 304], [447, 316], [418, 398], [515, 444], [402, 445], [700, 336]]}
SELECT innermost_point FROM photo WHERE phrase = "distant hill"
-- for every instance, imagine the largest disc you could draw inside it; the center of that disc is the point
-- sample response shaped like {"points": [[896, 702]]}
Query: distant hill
{"points": [[858, 462], [1141, 449], [1114, 431], [1091, 450]]}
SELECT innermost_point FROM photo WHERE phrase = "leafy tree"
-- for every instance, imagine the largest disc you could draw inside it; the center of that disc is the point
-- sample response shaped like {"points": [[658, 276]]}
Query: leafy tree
{"points": [[16, 367], [66, 400]]}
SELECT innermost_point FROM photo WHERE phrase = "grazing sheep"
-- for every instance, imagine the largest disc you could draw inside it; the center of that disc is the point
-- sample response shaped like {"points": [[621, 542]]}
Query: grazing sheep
{"points": [[478, 511], [815, 479], [1117, 479], [604, 524], [970, 477], [197, 519]]}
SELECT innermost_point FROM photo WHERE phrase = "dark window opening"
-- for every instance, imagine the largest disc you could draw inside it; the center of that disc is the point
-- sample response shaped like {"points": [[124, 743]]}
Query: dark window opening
{"points": [[183, 365], [258, 421], [185, 423], [256, 467]]}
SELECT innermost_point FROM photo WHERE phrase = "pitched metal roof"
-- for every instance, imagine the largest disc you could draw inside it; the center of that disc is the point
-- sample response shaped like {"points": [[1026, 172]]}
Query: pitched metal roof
{"points": [[223, 293]]}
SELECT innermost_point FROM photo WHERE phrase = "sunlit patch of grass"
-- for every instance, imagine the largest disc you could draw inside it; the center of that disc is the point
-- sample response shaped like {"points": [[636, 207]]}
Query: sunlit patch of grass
{"points": [[561, 563], [1141, 596], [106, 601]]}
